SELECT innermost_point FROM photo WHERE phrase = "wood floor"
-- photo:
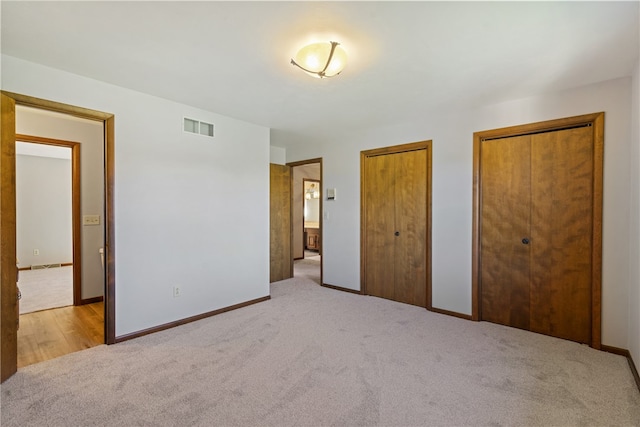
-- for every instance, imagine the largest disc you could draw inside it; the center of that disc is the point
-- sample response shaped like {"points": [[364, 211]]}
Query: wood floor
{"points": [[48, 334]]}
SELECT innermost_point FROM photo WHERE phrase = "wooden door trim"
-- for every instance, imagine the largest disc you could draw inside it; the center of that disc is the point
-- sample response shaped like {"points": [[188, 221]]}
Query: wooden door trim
{"points": [[596, 120], [75, 205], [108, 121], [301, 163], [413, 146]]}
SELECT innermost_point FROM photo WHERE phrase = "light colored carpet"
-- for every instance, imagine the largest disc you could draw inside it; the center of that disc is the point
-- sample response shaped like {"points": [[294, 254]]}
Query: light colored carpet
{"points": [[307, 268], [45, 289], [313, 356]]}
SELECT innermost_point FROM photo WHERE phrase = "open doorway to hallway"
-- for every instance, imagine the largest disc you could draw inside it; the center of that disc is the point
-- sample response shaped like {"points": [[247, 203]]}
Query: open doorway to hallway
{"points": [[306, 214], [44, 226]]}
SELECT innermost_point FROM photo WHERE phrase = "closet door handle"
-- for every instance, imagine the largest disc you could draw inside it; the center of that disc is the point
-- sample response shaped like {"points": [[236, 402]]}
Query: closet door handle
{"points": [[397, 233], [525, 241]]}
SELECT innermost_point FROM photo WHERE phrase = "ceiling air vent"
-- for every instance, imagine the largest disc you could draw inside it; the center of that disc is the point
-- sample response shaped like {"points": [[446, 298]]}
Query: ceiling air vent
{"points": [[196, 126]]}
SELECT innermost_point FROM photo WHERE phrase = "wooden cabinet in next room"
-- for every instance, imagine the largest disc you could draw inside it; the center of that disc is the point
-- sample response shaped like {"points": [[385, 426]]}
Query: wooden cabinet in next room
{"points": [[312, 241]]}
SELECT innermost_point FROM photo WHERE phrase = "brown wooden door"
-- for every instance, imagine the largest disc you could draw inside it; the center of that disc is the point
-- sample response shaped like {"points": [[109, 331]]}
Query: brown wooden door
{"points": [[410, 224], [505, 210], [537, 232], [395, 241], [561, 233], [281, 262], [8, 266], [379, 176]]}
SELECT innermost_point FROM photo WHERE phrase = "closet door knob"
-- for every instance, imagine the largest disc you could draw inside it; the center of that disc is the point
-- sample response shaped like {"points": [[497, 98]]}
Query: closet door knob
{"points": [[525, 241], [397, 233]]}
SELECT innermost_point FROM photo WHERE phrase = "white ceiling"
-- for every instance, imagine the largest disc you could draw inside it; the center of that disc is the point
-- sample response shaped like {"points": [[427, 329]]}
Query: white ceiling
{"points": [[406, 59]]}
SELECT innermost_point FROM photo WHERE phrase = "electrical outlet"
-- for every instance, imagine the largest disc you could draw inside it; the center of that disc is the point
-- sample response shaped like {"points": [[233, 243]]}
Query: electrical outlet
{"points": [[91, 220], [177, 291], [36, 251]]}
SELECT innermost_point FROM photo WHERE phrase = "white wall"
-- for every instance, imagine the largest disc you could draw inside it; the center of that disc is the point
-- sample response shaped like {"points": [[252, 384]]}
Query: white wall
{"points": [[189, 210], [43, 210], [90, 135], [277, 155], [452, 136], [634, 229]]}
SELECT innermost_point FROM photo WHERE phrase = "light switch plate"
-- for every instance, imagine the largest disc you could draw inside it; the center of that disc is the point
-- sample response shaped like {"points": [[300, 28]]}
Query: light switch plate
{"points": [[331, 193]]}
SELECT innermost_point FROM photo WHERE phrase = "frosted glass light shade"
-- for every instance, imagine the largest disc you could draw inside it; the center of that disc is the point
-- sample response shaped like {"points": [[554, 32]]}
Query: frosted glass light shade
{"points": [[321, 59]]}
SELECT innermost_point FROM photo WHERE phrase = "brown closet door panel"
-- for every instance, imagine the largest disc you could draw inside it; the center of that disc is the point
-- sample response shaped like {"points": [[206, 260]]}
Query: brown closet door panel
{"points": [[505, 210], [561, 233], [410, 214], [281, 262], [379, 225]]}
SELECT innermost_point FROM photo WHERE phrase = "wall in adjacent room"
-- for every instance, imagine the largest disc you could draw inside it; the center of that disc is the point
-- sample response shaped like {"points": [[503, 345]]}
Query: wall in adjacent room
{"points": [[43, 210]]}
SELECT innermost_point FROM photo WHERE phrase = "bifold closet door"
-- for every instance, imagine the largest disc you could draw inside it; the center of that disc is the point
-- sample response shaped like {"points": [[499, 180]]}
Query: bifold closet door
{"points": [[505, 209], [380, 225], [395, 226], [537, 232], [562, 233], [410, 234]]}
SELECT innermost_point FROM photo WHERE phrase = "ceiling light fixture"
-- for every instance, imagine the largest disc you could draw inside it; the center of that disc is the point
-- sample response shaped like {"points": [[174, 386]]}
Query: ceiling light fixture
{"points": [[312, 192], [321, 60]]}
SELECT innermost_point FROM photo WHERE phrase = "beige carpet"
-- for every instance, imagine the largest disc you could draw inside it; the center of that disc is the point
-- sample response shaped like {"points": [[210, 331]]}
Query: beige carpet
{"points": [[45, 289], [313, 356], [307, 268]]}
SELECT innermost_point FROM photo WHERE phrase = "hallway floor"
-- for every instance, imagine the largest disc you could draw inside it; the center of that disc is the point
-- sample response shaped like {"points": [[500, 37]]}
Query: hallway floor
{"points": [[48, 334]]}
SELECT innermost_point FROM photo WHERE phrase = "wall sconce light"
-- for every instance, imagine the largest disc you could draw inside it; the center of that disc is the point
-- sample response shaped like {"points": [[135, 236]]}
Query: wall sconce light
{"points": [[321, 60]]}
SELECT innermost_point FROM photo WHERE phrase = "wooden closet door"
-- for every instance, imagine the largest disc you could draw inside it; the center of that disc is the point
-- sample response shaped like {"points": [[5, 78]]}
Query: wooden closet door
{"points": [[552, 285], [396, 231], [380, 176], [410, 211], [561, 233], [505, 209]]}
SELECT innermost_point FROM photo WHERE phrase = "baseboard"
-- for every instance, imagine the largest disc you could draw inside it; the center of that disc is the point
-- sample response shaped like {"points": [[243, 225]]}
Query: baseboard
{"points": [[450, 313], [340, 288], [627, 354], [184, 321], [91, 300]]}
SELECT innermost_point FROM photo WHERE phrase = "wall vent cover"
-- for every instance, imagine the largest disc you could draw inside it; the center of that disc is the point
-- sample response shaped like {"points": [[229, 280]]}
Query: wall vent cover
{"points": [[196, 126], [45, 266]]}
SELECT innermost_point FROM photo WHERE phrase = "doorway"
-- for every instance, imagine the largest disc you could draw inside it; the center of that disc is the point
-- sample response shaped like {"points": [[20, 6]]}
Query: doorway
{"points": [[537, 230], [49, 199], [306, 214], [8, 266], [47, 234]]}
